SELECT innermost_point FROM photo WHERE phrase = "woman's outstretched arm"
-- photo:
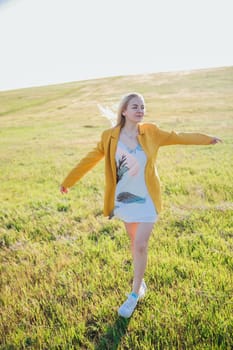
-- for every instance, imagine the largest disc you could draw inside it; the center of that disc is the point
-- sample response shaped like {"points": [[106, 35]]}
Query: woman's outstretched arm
{"points": [[85, 164], [184, 138]]}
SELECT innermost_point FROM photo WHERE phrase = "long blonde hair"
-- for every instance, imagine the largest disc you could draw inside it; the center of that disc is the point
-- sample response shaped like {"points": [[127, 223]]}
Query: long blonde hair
{"points": [[123, 105]]}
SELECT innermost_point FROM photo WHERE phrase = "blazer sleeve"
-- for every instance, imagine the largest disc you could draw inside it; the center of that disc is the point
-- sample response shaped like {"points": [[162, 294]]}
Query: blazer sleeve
{"points": [[85, 164], [166, 138]]}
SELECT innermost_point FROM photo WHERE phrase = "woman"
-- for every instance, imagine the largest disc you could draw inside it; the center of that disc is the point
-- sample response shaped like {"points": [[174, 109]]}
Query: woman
{"points": [[132, 191]]}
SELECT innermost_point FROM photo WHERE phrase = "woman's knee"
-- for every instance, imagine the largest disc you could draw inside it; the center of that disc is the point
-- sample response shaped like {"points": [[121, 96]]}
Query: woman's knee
{"points": [[140, 246]]}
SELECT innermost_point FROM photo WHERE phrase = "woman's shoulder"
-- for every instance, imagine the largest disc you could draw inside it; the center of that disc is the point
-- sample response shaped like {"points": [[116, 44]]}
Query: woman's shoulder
{"points": [[148, 127], [110, 131], [143, 127]]}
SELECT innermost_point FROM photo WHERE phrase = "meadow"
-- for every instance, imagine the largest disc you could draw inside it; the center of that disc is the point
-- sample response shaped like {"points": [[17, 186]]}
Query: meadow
{"points": [[65, 268]]}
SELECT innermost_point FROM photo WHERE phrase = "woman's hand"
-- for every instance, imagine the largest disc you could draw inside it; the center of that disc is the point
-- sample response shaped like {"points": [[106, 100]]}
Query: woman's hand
{"points": [[63, 190], [215, 140]]}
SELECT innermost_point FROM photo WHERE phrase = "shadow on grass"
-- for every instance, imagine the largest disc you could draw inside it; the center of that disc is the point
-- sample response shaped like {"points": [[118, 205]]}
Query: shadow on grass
{"points": [[113, 335]]}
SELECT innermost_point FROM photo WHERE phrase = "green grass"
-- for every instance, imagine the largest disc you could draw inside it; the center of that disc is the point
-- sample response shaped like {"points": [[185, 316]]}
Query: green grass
{"points": [[65, 268]]}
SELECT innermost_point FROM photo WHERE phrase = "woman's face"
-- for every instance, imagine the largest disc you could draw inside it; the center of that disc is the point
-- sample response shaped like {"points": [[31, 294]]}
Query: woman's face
{"points": [[135, 110]]}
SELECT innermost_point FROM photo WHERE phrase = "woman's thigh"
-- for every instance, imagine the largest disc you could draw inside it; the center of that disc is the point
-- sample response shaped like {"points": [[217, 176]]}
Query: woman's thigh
{"points": [[143, 232], [131, 228], [139, 230]]}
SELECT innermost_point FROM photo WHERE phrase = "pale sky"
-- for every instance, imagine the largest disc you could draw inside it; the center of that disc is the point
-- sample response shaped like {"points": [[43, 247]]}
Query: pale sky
{"points": [[54, 41]]}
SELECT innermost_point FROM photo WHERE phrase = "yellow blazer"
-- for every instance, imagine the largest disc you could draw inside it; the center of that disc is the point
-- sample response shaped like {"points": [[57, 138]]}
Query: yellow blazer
{"points": [[150, 138]]}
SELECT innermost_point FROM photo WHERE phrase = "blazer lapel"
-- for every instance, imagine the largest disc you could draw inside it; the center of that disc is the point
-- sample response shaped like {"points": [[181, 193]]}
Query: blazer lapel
{"points": [[113, 146], [141, 139]]}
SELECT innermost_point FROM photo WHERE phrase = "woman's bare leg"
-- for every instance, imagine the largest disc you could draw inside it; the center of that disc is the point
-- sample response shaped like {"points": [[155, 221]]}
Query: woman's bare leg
{"points": [[131, 228], [140, 247]]}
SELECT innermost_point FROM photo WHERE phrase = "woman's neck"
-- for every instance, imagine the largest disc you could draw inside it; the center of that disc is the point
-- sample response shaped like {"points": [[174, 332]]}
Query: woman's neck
{"points": [[130, 128]]}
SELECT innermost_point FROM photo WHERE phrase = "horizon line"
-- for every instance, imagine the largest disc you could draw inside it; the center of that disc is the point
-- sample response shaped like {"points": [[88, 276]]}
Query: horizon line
{"points": [[118, 76]]}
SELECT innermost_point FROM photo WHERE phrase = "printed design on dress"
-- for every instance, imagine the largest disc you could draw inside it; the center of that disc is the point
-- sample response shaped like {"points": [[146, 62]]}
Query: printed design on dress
{"points": [[133, 150], [122, 167], [126, 162], [127, 197]]}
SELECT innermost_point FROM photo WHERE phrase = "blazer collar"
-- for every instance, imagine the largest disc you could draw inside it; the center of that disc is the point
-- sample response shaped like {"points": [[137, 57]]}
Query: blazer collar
{"points": [[116, 130]]}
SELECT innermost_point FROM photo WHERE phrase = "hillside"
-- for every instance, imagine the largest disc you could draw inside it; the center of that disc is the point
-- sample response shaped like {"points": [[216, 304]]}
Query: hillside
{"points": [[65, 268]]}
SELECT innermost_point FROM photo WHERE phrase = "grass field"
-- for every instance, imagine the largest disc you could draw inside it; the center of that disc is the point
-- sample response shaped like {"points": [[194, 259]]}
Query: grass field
{"points": [[65, 268]]}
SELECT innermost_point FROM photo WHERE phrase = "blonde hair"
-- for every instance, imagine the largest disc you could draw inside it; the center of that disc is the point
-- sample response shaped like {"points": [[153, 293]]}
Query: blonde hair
{"points": [[123, 105]]}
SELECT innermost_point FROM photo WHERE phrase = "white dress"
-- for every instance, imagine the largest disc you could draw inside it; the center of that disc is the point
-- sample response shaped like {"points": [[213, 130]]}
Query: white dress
{"points": [[132, 200]]}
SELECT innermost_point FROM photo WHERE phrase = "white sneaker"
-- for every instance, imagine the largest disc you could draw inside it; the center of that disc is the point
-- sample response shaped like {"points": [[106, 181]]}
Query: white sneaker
{"points": [[127, 308], [142, 290]]}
